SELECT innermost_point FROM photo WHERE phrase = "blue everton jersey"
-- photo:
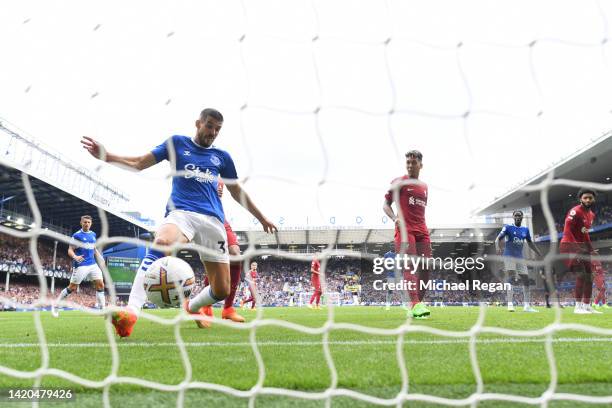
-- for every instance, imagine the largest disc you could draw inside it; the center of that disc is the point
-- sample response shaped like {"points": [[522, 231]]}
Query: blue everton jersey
{"points": [[87, 251], [390, 271], [196, 188], [514, 237]]}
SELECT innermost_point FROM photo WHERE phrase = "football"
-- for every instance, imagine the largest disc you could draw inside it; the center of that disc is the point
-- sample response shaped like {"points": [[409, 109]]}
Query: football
{"points": [[168, 281]]}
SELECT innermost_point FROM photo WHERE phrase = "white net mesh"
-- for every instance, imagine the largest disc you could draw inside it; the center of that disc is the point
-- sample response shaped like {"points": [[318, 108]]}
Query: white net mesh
{"points": [[381, 105]]}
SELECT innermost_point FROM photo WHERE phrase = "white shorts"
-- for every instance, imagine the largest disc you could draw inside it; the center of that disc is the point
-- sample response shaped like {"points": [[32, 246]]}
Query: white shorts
{"points": [[204, 230], [513, 264], [80, 273]]}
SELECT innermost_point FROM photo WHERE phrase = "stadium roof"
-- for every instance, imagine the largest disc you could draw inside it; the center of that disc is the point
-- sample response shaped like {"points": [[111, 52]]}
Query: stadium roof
{"points": [[593, 163], [58, 207]]}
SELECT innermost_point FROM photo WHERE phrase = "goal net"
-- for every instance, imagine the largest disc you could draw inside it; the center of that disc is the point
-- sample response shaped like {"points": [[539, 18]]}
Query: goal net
{"points": [[323, 99]]}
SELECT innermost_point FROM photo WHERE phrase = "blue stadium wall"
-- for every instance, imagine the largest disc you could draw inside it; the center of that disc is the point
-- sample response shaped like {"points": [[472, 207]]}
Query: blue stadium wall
{"points": [[126, 250]]}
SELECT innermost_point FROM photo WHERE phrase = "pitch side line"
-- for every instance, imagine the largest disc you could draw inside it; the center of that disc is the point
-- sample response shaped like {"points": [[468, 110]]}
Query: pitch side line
{"points": [[125, 343]]}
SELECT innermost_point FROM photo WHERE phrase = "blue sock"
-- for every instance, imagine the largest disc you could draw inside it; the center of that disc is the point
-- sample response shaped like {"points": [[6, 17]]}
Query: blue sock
{"points": [[151, 256], [138, 296]]}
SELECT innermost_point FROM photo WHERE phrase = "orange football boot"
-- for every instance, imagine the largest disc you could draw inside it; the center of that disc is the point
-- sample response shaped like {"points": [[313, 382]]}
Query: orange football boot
{"points": [[203, 321], [230, 314], [124, 322]]}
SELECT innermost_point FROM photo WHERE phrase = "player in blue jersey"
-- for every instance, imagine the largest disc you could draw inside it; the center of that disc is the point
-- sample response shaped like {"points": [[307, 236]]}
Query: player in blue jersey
{"points": [[511, 238], [394, 276], [391, 278], [85, 259], [194, 212]]}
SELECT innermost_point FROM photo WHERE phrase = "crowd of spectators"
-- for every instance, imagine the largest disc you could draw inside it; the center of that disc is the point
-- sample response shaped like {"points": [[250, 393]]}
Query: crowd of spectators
{"points": [[26, 292], [603, 215], [281, 279], [283, 282], [23, 288], [16, 257]]}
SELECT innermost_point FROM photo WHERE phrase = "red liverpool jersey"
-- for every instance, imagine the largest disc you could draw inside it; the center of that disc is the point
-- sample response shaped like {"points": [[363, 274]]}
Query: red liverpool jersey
{"points": [[315, 265], [412, 201], [576, 230]]}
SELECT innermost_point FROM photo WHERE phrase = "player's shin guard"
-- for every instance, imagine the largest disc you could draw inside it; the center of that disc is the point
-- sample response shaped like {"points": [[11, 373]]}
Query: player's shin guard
{"points": [[100, 298], [234, 281], [138, 296], [204, 298], [526, 295], [64, 294]]}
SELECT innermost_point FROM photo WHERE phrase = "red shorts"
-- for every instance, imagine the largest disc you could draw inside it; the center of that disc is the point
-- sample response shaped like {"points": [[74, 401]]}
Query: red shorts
{"points": [[232, 239], [577, 257], [315, 281], [417, 244]]}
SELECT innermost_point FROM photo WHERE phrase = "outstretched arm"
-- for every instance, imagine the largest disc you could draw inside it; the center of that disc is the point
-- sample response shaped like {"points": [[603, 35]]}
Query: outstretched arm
{"points": [[243, 198], [97, 150]]}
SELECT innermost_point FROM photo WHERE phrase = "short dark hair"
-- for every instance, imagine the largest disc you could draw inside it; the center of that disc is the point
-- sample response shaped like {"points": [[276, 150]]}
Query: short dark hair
{"points": [[87, 217], [416, 154], [213, 113], [584, 191], [517, 212]]}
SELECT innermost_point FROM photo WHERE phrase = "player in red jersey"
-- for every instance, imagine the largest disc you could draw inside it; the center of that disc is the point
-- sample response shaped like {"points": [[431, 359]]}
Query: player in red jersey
{"points": [[576, 243], [251, 279], [600, 285], [411, 233], [315, 281]]}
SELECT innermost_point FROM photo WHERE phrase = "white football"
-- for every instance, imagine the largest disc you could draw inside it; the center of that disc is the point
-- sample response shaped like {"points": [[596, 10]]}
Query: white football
{"points": [[168, 281]]}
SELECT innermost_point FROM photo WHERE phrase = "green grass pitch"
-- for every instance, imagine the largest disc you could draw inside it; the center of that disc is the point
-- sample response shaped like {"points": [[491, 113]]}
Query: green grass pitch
{"points": [[367, 363]]}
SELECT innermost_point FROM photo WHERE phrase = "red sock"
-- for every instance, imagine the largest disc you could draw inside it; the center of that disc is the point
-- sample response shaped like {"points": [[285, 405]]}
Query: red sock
{"points": [[235, 280], [579, 287], [587, 291], [313, 297], [414, 293], [601, 296], [318, 297]]}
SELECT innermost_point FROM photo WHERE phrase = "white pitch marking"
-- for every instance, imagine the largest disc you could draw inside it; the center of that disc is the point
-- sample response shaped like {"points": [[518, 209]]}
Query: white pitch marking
{"points": [[123, 343]]}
